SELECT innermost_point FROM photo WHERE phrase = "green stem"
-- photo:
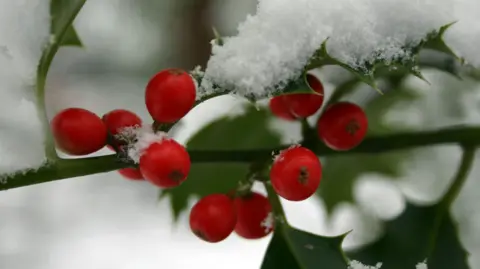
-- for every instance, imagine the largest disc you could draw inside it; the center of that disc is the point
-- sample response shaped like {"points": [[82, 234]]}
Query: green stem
{"points": [[372, 145], [461, 176], [444, 205], [277, 208], [63, 169]]}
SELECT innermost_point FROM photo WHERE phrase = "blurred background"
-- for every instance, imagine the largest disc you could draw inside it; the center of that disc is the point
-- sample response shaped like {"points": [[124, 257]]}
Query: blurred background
{"points": [[105, 221]]}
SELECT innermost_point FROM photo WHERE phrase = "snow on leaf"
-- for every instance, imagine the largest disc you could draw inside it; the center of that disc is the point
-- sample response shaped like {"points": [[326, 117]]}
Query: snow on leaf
{"points": [[273, 46]]}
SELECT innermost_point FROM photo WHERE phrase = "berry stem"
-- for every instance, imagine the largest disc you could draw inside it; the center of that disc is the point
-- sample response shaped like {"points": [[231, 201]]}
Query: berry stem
{"points": [[277, 208]]}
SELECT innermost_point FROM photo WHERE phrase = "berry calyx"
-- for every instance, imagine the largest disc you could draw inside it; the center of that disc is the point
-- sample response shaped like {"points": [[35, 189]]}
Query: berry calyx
{"points": [[213, 218], [342, 126], [78, 131], [299, 105], [296, 173], [170, 95], [252, 212], [118, 119], [131, 173], [165, 163]]}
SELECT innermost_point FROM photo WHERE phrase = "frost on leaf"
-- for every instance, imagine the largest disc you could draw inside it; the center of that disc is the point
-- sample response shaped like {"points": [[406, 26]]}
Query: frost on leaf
{"points": [[273, 46], [21, 43]]}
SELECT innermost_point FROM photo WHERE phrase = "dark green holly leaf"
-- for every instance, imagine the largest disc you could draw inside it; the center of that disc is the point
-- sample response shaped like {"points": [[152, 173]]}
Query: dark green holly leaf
{"points": [[412, 238], [248, 131], [341, 171], [381, 66], [71, 38], [63, 12], [291, 248]]}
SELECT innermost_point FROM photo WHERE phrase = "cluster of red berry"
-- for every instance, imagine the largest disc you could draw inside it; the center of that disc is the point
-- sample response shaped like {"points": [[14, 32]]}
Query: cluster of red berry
{"points": [[295, 173], [169, 96], [216, 216]]}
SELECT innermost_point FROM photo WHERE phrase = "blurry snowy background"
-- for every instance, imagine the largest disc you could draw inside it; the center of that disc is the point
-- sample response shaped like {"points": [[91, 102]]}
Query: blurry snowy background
{"points": [[105, 221]]}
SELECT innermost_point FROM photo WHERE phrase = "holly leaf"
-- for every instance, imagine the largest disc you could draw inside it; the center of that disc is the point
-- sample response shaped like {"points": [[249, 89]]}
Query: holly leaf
{"points": [[292, 248], [341, 171], [407, 62], [248, 131], [62, 13], [413, 237]]}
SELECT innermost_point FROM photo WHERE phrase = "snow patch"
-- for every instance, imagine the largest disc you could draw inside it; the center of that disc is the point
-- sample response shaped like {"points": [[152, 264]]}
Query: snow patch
{"points": [[358, 265], [24, 30]]}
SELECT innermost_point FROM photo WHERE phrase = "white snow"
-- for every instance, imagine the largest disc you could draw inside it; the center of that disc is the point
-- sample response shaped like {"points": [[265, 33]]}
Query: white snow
{"points": [[274, 45], [359, 265], [24, 29], [142, 138], [422, 265]]}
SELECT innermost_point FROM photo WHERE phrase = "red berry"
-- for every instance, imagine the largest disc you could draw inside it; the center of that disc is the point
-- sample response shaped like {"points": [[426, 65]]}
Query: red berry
{"points": [[78, 131], [213, 218], [170, 95], [342, 126], [303, 105], [117, 119], [252, 211], [280, 109], [299, 105], [296, 173], [131, 173], [165, 163]]}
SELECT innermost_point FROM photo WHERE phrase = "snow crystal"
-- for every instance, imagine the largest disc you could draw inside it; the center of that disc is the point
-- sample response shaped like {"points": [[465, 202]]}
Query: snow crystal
{"points": [[268, 222], [422, 265], [24, 30], [359, 265], [139, 139], [274, 45]]}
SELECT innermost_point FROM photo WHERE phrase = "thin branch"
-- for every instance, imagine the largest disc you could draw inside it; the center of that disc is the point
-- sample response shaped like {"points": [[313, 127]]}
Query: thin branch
{"points": [[372, 145]]}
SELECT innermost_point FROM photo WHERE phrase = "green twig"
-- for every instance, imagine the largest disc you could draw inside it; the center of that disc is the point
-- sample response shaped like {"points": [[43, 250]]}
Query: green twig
{"points": [[443, 207], [63, 169], [460, 177], [371, 145]]}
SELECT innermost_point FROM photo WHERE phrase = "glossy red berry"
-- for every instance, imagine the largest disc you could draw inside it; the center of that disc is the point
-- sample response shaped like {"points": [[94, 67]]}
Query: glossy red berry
{"points": [[280, 109], [303, 105], [342, 126], [166, 163], [170, 95], [78, 131], [299, 105], [131, 173], [252, 212], [296, 173], [213, 218], [118, 119]]}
